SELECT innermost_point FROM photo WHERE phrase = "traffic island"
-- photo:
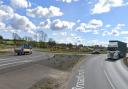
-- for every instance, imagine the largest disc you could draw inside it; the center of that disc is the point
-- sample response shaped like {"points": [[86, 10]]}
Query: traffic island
{"points": [[64, 64]]}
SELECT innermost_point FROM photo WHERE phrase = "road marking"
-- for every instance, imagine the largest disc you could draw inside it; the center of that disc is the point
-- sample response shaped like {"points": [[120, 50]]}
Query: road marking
{"points": [[15, 59], [34, 56], [11, 63], [16, 62], [9, 60], [4, 59], [80, 80], [113, 87], [20, 56]]}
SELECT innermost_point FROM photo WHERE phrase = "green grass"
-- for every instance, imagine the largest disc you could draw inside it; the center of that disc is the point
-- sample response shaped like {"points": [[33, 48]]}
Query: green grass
{"points": [[5, 49], [62, 51]]}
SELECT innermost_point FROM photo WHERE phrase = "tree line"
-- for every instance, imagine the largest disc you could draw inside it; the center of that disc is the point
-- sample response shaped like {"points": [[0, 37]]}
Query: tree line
{"points": [[41, 40]]}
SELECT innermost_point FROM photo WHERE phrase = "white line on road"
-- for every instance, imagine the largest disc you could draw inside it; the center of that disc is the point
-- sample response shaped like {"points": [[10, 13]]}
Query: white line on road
{"points": [[4, 59], [113, 87], [10, 63], [9, 60], [16, 62], [15, 59]]}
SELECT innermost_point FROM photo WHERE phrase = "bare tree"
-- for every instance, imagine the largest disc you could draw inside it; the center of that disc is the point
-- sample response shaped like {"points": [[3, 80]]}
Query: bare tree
{"points": [[27, 38], [42, 36], [16, 38]]}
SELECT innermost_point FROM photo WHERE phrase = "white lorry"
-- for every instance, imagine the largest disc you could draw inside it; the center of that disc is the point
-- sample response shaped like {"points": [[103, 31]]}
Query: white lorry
{"points": [[116, 49]]}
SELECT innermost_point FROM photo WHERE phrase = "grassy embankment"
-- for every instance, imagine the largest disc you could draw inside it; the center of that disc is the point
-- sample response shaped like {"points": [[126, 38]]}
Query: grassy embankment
{"points": [[59, 62], [70, 51], [125, 60], [5, 48]]}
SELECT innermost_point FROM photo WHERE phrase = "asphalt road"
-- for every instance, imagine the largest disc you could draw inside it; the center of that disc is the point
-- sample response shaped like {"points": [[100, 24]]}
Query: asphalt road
{"points": [[14, 60], [21, 72], [95, 72]]}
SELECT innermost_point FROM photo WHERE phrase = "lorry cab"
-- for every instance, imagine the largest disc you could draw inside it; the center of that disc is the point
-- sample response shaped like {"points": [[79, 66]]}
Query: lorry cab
{"points": [[116, 50]]}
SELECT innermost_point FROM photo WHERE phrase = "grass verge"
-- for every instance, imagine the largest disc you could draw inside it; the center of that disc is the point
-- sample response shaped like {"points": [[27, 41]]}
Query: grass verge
{"points": [[125, 60]]}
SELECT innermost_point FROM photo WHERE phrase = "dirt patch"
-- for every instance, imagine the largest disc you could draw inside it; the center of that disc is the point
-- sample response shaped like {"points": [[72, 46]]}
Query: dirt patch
{"points": [[46, 83]]}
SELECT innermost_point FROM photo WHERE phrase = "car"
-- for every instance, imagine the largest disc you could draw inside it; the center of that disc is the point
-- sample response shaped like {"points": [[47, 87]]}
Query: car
{"points": [[95, 52], [23, 49]]}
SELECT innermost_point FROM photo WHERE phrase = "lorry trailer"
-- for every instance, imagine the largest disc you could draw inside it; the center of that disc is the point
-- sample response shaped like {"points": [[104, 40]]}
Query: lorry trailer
{"points": [[116, 49]]}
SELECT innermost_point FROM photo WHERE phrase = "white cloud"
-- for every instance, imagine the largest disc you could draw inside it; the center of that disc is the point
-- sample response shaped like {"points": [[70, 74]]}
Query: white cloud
{"points": [[83, 28], [2, 25], [65, 37], [44, 12], [68, 1], [92, 25], [105, 33], [6, 12], [63, 33], [78, 21], [97, 42], [108, 25], [124, 32], [31, 32], [56, 24], [115, 32], [20, 3], [120, 25], [125, 39], [22, 23], [95, 32], [104, 6], [45, 25]]}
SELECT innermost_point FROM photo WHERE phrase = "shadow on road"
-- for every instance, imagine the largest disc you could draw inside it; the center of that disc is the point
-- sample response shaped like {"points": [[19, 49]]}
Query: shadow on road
{"points": [[112, 60]]}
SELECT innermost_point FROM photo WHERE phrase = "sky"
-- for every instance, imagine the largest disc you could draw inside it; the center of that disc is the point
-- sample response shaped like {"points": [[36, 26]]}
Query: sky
{"points": [[88, 22]]}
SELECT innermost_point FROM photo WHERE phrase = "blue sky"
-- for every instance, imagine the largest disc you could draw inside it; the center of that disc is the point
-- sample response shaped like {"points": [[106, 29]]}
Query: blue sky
{"points": [[85, 22]]}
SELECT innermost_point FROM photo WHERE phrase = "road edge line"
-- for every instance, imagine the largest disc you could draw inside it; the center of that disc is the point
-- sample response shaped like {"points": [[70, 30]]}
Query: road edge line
{"points": [[111, 84]]}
